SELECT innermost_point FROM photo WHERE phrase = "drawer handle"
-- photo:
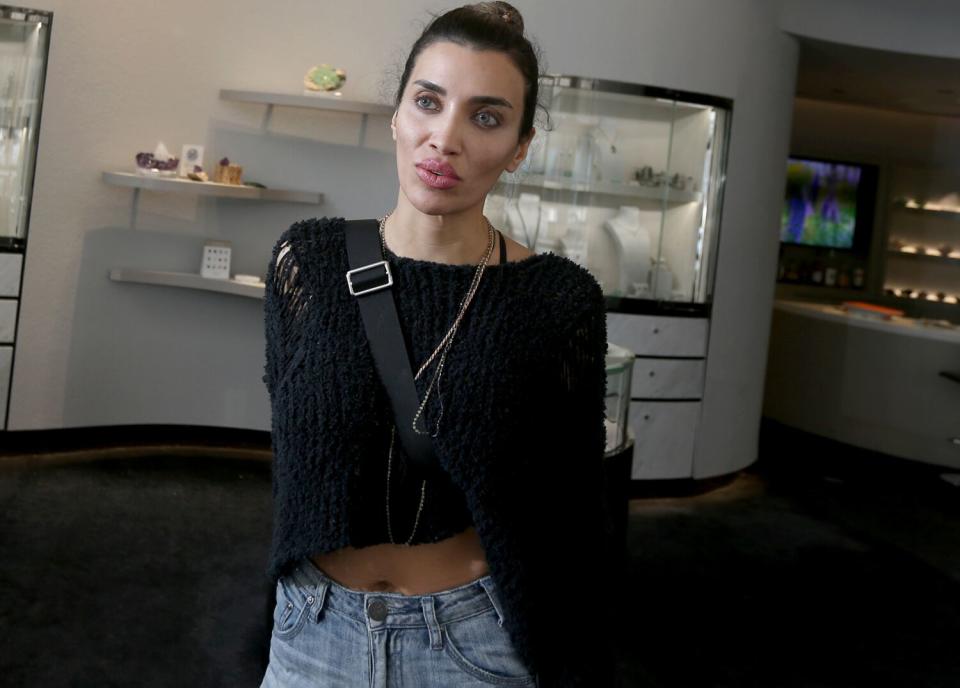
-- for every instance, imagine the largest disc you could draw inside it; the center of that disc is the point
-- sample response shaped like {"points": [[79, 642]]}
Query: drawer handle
{"points": [[652, 373], [656, 330], [955, 441], [646, 416]]}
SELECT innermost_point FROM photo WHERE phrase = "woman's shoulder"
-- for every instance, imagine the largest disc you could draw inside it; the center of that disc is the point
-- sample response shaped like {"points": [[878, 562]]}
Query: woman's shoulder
{"points": [[312, 230], [305, 239], [571, 286]]}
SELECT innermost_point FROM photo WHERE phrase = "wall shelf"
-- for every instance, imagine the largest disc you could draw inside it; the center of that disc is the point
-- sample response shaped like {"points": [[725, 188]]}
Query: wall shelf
{"points": [[139, 181], [317, 102], [188, 280], [647, 193], [945, 214], [923, 256]]}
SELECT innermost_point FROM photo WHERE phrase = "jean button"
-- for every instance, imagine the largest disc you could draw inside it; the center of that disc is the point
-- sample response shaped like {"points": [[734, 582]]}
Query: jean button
{"points": [[377, 610]]}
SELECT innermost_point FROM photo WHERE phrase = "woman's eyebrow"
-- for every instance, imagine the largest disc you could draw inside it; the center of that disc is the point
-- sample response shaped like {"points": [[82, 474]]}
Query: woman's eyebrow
{"points": [[479, 100]]}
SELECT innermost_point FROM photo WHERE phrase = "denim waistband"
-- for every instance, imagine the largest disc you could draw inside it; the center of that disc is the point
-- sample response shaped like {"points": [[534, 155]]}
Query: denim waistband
{"points": [[395, 610]]}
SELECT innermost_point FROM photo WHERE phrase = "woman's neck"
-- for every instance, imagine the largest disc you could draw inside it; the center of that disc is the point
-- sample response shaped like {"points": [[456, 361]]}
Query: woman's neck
{"points": [[455, 239]]}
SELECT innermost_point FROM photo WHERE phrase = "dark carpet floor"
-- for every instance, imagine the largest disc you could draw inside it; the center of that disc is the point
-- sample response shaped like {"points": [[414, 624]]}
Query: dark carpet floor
{"points": [[817, 567]]}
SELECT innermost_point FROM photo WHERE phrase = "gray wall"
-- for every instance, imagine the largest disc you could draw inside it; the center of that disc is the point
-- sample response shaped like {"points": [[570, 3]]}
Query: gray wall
{"points": [[123, 75], [924, 27]]}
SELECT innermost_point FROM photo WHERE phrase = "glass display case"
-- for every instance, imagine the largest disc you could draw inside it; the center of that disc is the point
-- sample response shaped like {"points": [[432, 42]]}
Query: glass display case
{"points": [[627, 181], [24, 45], [619, 369]]}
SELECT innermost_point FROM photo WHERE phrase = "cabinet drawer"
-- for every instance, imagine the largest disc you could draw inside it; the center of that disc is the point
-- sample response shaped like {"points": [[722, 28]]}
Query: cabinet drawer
{"points": [[667, 378], [10, 273], [6, 358], [654, 335], [8, 320], [665, 434]]}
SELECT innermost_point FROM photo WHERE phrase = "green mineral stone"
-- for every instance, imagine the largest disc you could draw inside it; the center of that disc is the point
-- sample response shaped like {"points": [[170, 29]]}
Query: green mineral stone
{"points": [[326, 78]]}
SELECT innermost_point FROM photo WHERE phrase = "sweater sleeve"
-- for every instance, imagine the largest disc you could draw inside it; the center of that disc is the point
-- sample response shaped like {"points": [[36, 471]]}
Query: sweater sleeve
{"points": [[581, 557], [284, 301]]}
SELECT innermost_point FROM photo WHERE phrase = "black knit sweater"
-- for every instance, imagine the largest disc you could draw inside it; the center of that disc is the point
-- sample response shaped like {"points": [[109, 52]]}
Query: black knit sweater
{"points": [[521, 434]]}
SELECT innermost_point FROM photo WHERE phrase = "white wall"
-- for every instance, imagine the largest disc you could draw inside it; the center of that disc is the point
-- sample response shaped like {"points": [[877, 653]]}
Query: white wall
{"points": [[123, 75]]}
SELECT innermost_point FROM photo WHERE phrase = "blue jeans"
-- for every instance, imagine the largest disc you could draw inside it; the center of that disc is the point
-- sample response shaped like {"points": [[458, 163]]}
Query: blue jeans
{"points": [[327, 635]]}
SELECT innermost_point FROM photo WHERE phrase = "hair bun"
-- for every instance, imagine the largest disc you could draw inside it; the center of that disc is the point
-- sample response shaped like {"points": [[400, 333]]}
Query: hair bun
{"points": [[503, 12]]}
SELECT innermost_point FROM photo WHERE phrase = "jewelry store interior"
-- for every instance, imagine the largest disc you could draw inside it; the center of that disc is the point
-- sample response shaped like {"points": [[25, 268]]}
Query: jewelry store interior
{"points": [[768, 195]]}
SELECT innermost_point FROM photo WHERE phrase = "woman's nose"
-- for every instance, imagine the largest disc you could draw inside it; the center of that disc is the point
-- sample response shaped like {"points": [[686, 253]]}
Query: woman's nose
{"points": [[447, 135]]}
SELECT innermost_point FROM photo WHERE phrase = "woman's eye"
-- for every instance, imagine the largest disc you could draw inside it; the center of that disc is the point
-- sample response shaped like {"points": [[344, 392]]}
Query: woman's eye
{"points": [[487, 119], [490, 121]]}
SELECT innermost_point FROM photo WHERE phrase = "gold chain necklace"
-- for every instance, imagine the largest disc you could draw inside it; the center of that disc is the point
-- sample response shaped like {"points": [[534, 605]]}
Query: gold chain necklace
{"points": [[442, 348]]}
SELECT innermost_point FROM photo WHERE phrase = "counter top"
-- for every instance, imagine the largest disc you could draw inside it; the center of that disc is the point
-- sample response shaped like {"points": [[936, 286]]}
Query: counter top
{"points": [[909, 327]]}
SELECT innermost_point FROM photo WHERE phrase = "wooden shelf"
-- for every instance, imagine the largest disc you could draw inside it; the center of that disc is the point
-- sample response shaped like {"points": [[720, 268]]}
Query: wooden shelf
{"points": [[188, 280], [175, 184], [301, 100], [648, 193]]}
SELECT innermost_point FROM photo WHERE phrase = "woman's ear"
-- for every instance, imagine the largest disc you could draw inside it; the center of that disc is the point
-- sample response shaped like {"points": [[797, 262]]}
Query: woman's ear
{"points": [[521, 152]]}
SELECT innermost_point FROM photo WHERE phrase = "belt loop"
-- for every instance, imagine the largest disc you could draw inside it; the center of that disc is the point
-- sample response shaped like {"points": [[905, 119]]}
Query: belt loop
{"points": [[319, 598], [488, 585], [430, 614]]}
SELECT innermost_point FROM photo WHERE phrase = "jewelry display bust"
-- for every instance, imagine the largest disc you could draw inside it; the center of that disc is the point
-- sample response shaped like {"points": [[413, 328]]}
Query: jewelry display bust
{"points": [[633, 248]]}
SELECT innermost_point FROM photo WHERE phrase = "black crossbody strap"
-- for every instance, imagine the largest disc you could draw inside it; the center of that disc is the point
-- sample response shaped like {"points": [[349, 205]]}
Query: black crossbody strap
{"points": [[370, 280]]}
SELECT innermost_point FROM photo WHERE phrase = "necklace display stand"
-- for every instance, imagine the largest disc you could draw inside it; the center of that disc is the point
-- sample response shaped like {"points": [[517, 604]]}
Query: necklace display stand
{"points": [[632, 242]]}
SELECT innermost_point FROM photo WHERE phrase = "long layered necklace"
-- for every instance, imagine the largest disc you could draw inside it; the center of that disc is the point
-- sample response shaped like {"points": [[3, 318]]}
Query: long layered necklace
{"points": [[441, 350]]}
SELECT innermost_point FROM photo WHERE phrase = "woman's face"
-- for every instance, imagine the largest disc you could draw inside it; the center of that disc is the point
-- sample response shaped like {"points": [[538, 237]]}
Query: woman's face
{"points": [[457, 127]]}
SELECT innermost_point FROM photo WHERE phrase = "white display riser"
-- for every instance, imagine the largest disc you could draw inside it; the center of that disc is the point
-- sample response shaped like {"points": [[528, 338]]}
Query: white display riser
{"points": [[666, 389], [8, 320], [667, 378], [6, 360], [665, 433], [10, 266]]}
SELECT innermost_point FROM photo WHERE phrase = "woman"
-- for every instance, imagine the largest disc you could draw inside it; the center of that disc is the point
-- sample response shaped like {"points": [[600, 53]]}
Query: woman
{"points": [[478, 577]]}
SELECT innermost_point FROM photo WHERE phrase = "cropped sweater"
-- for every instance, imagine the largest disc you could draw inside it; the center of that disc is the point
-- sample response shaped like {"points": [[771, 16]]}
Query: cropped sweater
{"points": [[521, 435]]}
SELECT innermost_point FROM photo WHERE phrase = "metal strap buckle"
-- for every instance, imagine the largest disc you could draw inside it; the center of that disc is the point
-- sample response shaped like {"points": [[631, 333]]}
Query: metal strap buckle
{"points": [[386, 267]]}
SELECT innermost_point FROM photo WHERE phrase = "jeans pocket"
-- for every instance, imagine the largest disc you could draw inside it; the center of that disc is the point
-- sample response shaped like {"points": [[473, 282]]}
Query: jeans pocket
{"points": [[290, 613], [482, 649]]}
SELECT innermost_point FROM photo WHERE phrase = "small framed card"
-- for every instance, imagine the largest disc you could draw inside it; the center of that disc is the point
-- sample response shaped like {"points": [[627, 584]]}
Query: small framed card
{"points": [[190, 155], [216, 259]]}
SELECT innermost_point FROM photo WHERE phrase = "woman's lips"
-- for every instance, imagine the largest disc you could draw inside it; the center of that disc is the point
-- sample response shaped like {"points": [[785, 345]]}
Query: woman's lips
{"points": [[436, 181]]}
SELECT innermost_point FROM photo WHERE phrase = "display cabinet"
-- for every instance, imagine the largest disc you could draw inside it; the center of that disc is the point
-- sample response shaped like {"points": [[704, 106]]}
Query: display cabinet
{"points": [[24, 46], [627, 180]]}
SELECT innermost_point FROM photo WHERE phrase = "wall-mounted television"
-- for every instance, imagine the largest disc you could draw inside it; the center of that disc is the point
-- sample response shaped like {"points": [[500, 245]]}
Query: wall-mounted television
{"points": [[828, 204]]}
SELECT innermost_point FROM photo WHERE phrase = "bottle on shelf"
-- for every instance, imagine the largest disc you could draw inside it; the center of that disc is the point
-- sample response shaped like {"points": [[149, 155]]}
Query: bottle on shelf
{"points": [[843, 277]]}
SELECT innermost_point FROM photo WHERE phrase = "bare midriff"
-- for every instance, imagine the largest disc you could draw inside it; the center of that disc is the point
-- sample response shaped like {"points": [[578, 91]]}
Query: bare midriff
{"points": [[409, 570]]}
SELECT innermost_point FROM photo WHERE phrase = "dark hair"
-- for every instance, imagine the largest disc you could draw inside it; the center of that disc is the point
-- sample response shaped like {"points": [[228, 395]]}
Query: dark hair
{"points": [[484, 26]]}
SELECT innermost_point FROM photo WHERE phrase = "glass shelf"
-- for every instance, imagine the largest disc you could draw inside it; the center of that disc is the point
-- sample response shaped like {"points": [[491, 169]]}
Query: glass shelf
{"points": [[666, 194], [626, 181]]}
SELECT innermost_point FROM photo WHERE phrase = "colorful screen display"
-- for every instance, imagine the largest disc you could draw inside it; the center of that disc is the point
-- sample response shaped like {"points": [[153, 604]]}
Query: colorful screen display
{"points": [[821, 203]]}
